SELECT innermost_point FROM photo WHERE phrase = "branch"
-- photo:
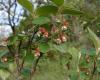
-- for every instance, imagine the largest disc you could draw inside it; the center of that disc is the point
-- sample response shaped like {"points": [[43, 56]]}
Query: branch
{"points": [[35, 66], [14, 13], [9, 18]]}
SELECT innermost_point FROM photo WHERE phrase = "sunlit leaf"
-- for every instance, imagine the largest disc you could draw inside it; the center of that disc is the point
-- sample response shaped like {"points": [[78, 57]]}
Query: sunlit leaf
{"points": [[26, 4], [21, 36], [41, 20], [44, 47], [75, 55], [94, 39], [58, 2], [29, 57], [74, 63]]}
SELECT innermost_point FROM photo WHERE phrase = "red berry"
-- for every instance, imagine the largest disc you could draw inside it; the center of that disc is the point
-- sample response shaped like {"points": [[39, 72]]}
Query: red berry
{"points": [[65, 23], [42, 30], [37, 52]]}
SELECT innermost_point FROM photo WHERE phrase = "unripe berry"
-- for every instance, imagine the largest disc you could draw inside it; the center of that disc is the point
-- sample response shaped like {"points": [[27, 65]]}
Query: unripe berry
{"points": [[63, 39], [38, 33], [46, 34], [4, 59], [58, 41], [64, 27]]}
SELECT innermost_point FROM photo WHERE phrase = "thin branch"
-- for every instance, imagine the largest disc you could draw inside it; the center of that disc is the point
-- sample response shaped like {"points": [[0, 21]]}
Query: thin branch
{"points": [[9, 18], [13, 19], [35, 66]]}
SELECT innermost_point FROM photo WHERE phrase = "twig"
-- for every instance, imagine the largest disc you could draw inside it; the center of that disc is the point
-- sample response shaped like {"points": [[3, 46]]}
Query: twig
{"points": [[35, 66]]}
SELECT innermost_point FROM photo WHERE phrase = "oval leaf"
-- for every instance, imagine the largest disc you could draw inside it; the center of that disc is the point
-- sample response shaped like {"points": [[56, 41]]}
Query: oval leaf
{"points": [[26, 4], [46, 10], [41, 20], [44, 47], [71, 11]]}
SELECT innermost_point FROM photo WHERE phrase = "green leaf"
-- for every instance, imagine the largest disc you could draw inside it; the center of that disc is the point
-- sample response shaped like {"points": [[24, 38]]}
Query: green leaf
{"points": [[21, 36], [3, 66], [71, 11], [29, 57], [74, 63], [98, 70], [75, 57], [26, 4], [44, 47], [83, 75], [41, 20], [61, 48], [90, 51], [84, 51], [94, 38], [26, 72], [12, 40], [46, 10], [58, 2], [3, 52], [73, 76]]}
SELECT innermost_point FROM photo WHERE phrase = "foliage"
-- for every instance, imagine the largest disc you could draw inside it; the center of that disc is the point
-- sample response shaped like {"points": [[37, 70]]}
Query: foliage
{"points": [[48, 40]]}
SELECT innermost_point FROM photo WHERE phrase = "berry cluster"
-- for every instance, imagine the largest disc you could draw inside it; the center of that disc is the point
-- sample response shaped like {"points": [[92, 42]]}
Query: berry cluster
{"points": [[60, 37], [42, 31]]}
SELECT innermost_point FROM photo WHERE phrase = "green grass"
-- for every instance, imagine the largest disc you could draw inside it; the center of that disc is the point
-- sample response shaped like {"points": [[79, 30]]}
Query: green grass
{"points": [[50, 70]]}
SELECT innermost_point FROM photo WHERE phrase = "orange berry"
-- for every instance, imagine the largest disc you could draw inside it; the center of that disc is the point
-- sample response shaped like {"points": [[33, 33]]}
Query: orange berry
{"points": [[65, 23], [42, 30]]}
